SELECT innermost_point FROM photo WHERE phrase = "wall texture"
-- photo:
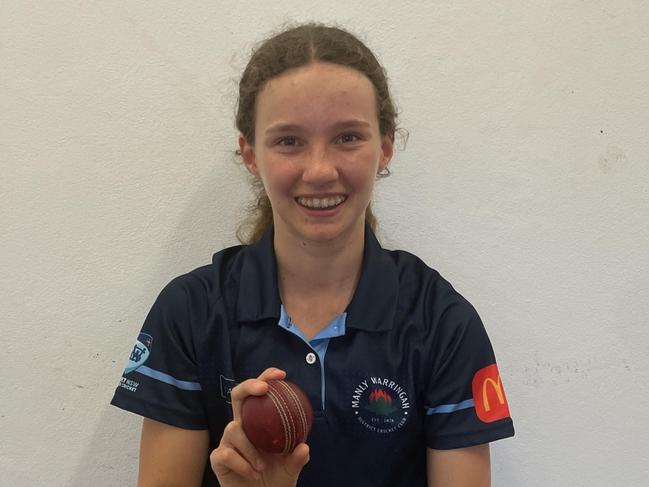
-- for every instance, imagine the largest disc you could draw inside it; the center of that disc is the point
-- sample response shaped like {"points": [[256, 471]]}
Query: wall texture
{"points": [[525, 183]]}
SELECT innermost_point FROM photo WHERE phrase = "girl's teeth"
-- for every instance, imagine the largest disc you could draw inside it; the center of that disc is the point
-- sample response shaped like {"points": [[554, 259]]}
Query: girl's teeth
{"points": [[321, 202]]}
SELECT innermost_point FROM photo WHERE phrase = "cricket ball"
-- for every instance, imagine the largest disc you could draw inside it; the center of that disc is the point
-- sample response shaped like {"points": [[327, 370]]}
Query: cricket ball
{"points": [[279, 420]]}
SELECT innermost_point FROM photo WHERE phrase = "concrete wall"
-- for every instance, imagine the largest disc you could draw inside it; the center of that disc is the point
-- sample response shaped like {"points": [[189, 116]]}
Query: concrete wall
{"points": [[525, 183]]}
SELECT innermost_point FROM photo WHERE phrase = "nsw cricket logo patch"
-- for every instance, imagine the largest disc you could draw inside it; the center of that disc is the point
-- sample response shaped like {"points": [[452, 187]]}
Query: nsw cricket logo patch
{"points": [[380, 405], [141, 352]]}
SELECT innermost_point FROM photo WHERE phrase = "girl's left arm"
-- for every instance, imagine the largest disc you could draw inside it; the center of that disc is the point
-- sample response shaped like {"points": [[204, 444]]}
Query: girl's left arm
{"points": [[462, 467]]}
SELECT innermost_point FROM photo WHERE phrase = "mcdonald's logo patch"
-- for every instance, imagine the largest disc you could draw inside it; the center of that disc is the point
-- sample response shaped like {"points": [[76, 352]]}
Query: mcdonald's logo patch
{"points": [[489, 395]]}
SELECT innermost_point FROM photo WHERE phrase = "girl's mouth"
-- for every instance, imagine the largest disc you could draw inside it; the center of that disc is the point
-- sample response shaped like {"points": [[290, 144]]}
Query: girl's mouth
{"points": [[321, 203]]}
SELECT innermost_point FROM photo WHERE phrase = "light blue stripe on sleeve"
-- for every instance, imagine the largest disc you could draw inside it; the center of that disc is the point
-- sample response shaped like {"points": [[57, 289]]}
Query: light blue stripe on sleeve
{"points": [[450, 408], [161, 376]]}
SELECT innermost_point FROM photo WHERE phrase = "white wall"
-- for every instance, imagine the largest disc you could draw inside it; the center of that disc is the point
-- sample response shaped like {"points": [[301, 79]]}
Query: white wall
{"points": [[525, 182]]}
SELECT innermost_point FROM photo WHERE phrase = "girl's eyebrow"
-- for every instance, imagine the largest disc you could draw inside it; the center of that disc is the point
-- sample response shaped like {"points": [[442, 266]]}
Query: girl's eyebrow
{"points": [[355, 123], [292, 127], [282, 127]]}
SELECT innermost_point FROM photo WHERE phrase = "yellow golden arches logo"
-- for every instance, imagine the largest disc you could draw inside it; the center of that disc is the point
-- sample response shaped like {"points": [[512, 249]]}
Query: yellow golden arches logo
{"points": [[498, 387], [485, 383]]}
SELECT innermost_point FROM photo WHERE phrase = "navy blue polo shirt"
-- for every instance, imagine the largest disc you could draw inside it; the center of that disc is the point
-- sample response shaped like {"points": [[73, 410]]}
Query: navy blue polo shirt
{"points": [[407, 366]]}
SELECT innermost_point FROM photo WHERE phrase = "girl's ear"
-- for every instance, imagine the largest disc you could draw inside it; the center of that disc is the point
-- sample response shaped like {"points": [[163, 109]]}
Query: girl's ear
{"points": [[248, 155], [387, 150]]}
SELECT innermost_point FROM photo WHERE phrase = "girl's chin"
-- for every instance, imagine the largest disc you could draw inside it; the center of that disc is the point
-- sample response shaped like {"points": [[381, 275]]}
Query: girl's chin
{"points": [[321, 232]]}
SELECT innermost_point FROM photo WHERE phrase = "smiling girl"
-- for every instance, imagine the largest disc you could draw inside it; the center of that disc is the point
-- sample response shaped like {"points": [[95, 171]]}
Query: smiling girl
{"points": [[396, 363]]}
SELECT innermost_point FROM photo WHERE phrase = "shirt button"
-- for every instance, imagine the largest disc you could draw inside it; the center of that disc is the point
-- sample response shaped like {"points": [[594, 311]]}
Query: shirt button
{"points": [[310, 358]]}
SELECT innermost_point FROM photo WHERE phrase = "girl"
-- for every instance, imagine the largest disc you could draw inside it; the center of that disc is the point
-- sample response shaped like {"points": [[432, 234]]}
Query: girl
{"points": [[396, 363]]}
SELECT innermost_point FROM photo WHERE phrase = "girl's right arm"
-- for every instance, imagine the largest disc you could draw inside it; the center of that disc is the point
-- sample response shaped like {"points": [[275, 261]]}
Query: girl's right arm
{"points": [[171, 456]]}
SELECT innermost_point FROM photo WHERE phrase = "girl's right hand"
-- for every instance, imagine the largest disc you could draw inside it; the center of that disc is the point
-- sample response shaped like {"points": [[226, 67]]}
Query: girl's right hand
{"points": [[237, 463]]}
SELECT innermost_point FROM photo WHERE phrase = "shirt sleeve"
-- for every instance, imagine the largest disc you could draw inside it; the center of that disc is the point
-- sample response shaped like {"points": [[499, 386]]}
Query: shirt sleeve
{"points": [[160, 380], [465, 398]]}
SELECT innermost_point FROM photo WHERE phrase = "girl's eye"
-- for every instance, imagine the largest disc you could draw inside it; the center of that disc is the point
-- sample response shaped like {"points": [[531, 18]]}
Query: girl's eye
{"points": [[345, 138], [288, 141]]}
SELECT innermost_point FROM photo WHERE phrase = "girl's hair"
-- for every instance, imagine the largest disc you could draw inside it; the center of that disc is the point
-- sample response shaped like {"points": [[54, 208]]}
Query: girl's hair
{"points": [[292, 48]]}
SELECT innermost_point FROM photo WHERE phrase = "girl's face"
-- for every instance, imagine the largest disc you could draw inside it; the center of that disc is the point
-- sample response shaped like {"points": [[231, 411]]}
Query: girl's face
{"points": [[317, 150]]}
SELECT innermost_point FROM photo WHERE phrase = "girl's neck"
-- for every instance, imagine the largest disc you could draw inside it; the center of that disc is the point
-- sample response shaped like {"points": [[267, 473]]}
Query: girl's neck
{"points": [[308, 269]]}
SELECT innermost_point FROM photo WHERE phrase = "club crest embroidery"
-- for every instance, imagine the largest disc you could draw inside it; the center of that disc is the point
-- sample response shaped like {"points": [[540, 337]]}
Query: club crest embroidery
{"points": [[140, 353], [381, 405]]}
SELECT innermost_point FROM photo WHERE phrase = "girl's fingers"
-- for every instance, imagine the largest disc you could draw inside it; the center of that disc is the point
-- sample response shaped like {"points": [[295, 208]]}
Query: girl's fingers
{"points": [[234, 436], [236, 454], [226, 461], [272, 373], [253, 387], [298, 459]]}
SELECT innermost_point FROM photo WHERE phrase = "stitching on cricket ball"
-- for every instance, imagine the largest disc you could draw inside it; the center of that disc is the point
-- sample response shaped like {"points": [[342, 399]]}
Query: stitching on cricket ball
{"points": [[300, 409], [281, 413]]}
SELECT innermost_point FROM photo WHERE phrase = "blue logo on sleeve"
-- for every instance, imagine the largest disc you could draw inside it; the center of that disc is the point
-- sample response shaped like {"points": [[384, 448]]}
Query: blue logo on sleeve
{"points": [[140, 353]]}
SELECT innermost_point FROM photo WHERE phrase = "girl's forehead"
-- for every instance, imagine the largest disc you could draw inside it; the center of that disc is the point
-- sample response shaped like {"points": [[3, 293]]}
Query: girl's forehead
{"points": [[318, 90], [316, 69]]}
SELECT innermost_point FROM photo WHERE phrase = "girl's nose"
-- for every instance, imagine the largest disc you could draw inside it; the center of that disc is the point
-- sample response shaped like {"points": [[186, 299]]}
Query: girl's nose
{"points": [[319, 167]]}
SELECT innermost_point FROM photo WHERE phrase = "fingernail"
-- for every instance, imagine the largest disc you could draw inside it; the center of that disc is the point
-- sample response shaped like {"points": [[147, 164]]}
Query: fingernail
{"points": [[260, 465]]}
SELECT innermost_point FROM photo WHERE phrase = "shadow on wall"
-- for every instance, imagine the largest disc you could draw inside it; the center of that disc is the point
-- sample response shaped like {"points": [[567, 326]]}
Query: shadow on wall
{"points": [[111, 457]]}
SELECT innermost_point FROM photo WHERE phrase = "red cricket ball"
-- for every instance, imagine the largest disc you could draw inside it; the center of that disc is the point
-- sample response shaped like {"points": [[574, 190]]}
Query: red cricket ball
{"points": [[279, 420]]}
